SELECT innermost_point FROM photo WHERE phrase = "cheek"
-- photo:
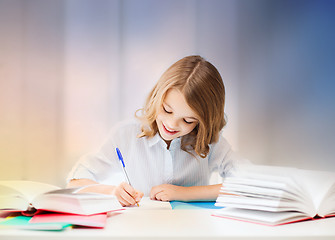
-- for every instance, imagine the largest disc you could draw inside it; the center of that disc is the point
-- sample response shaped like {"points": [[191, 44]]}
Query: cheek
{"points": [[189, 128], [160, 117]]}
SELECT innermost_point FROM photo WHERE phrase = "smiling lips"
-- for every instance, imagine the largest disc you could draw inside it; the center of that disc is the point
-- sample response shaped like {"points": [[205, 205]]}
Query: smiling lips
{"points": [[169, 131]]}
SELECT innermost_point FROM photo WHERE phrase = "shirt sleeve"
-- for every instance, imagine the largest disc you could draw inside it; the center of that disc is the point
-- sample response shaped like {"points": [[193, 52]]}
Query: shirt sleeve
{"points": [[223, 159], [102, 166]]}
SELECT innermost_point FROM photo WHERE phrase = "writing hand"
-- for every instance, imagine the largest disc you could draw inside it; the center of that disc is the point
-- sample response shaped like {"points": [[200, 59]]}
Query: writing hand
{"points": [[127, 195]]}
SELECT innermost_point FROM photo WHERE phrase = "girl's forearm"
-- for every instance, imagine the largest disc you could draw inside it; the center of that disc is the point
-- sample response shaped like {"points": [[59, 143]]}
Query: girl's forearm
{"points": [[80, 182], [201, 193], [96, 187]]}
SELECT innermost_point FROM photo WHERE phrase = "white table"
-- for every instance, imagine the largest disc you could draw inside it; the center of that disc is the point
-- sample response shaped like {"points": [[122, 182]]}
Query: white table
{"points": [[181, 224]]}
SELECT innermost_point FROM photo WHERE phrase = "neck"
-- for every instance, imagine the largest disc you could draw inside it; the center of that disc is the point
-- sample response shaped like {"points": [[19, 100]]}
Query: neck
{"points": [[168, 144]]}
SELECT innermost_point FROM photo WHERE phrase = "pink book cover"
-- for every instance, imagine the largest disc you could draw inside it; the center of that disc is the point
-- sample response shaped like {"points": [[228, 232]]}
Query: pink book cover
{"points": [[95, 220], [277, 224]]}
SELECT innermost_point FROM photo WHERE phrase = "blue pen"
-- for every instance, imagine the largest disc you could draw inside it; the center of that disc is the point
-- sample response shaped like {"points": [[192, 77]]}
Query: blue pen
{"points": [[119, 155]]}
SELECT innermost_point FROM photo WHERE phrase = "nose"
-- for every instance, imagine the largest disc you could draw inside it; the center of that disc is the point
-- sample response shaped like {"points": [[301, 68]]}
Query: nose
{"points": [[172, 123]]}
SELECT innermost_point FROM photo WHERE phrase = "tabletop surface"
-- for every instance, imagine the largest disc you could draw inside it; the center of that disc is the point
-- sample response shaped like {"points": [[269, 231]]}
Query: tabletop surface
{"points": [[161, 222]]}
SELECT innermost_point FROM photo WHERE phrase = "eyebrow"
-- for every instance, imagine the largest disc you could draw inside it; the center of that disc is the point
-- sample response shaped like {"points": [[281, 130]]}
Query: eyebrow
{"points": [[184, 117]]}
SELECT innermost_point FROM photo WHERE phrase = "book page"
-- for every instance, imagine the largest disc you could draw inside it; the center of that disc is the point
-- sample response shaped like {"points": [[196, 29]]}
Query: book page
{"points": [[68, 201], [327, 206], [277, 191], [10, 199], [262, 217], [147, 204], [250, 190], [289, 180], [317, 184], [273, 177], [29, 189]]}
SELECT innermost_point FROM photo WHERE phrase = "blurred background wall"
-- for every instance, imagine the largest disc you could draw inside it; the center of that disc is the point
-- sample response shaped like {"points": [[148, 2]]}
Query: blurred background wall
{"points": [[70, 69]]}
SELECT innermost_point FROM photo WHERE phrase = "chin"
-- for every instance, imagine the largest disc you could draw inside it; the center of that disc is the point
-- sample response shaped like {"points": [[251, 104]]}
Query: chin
{"points": [[165, 136]]}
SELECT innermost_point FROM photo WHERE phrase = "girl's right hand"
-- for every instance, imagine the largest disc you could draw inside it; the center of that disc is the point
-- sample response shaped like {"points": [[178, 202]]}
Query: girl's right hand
{"points": [[127, 195]]}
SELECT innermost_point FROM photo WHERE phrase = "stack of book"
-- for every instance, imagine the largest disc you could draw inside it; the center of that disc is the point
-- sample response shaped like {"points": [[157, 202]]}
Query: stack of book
{"points": [[35, 205], [273, 195]]}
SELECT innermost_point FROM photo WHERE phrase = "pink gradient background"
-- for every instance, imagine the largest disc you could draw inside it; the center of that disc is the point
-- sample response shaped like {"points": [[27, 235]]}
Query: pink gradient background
{"points": [[69, 70]]}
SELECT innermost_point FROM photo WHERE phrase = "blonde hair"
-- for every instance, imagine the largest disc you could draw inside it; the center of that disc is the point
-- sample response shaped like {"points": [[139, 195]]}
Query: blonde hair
{"points": [[204, 92]]}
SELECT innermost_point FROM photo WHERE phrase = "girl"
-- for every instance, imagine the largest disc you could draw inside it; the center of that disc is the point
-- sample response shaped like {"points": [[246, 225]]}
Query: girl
{"points": [[172, 148]]}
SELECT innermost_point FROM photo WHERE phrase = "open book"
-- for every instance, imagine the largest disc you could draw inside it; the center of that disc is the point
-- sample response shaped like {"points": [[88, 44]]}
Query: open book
{"points": [[28, 196], [277, 195]]}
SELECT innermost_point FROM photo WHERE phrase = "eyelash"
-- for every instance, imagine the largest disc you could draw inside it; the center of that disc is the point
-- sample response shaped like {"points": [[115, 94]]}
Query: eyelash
{"points": [[171, 112], [166, 110], [187, 122]]}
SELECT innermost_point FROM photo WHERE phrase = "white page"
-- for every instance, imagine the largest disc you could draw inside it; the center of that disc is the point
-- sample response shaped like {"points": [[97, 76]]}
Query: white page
{"points": [[257, 191], [259, 216], [327, 206], [29, 189], [316, 184], [147, 204], [262, 208], [311, 185], [268, 177]]}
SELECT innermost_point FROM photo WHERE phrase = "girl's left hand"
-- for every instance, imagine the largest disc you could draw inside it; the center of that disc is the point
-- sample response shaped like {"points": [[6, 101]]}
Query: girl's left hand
{"points": [[166, 192]]}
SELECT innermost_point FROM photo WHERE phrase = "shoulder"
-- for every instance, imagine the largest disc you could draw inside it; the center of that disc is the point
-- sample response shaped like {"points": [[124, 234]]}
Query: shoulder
{"points": [[128, 127], [221, 142], [131, 123], [220, 149], [122, 134], [223, 152]]}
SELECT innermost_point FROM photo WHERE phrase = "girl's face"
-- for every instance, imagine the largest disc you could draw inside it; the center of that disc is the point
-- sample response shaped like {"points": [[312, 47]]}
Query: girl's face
{"points": [[175, 118]]}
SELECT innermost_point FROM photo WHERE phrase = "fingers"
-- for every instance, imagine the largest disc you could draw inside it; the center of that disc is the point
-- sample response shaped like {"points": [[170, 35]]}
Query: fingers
{"points": [[160, 193], [139, 196], [165, 192], [127, 195], [154, 191], [162, 196]]}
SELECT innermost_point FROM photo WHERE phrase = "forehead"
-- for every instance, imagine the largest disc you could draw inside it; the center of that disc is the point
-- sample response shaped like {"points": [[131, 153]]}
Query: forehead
{"points": [[176, 101]]}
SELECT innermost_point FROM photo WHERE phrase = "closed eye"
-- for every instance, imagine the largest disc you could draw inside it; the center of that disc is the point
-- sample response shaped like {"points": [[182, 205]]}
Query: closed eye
{"points": [[166, 110], [188, 122]]}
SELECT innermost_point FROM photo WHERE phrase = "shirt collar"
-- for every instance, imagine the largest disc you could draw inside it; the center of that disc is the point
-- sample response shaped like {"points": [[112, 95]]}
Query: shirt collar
{"points": [[157, 139], [154, 140]]}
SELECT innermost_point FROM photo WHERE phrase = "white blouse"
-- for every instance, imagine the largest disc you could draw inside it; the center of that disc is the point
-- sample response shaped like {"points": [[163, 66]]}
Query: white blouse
{"points": [[149, 163]]}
